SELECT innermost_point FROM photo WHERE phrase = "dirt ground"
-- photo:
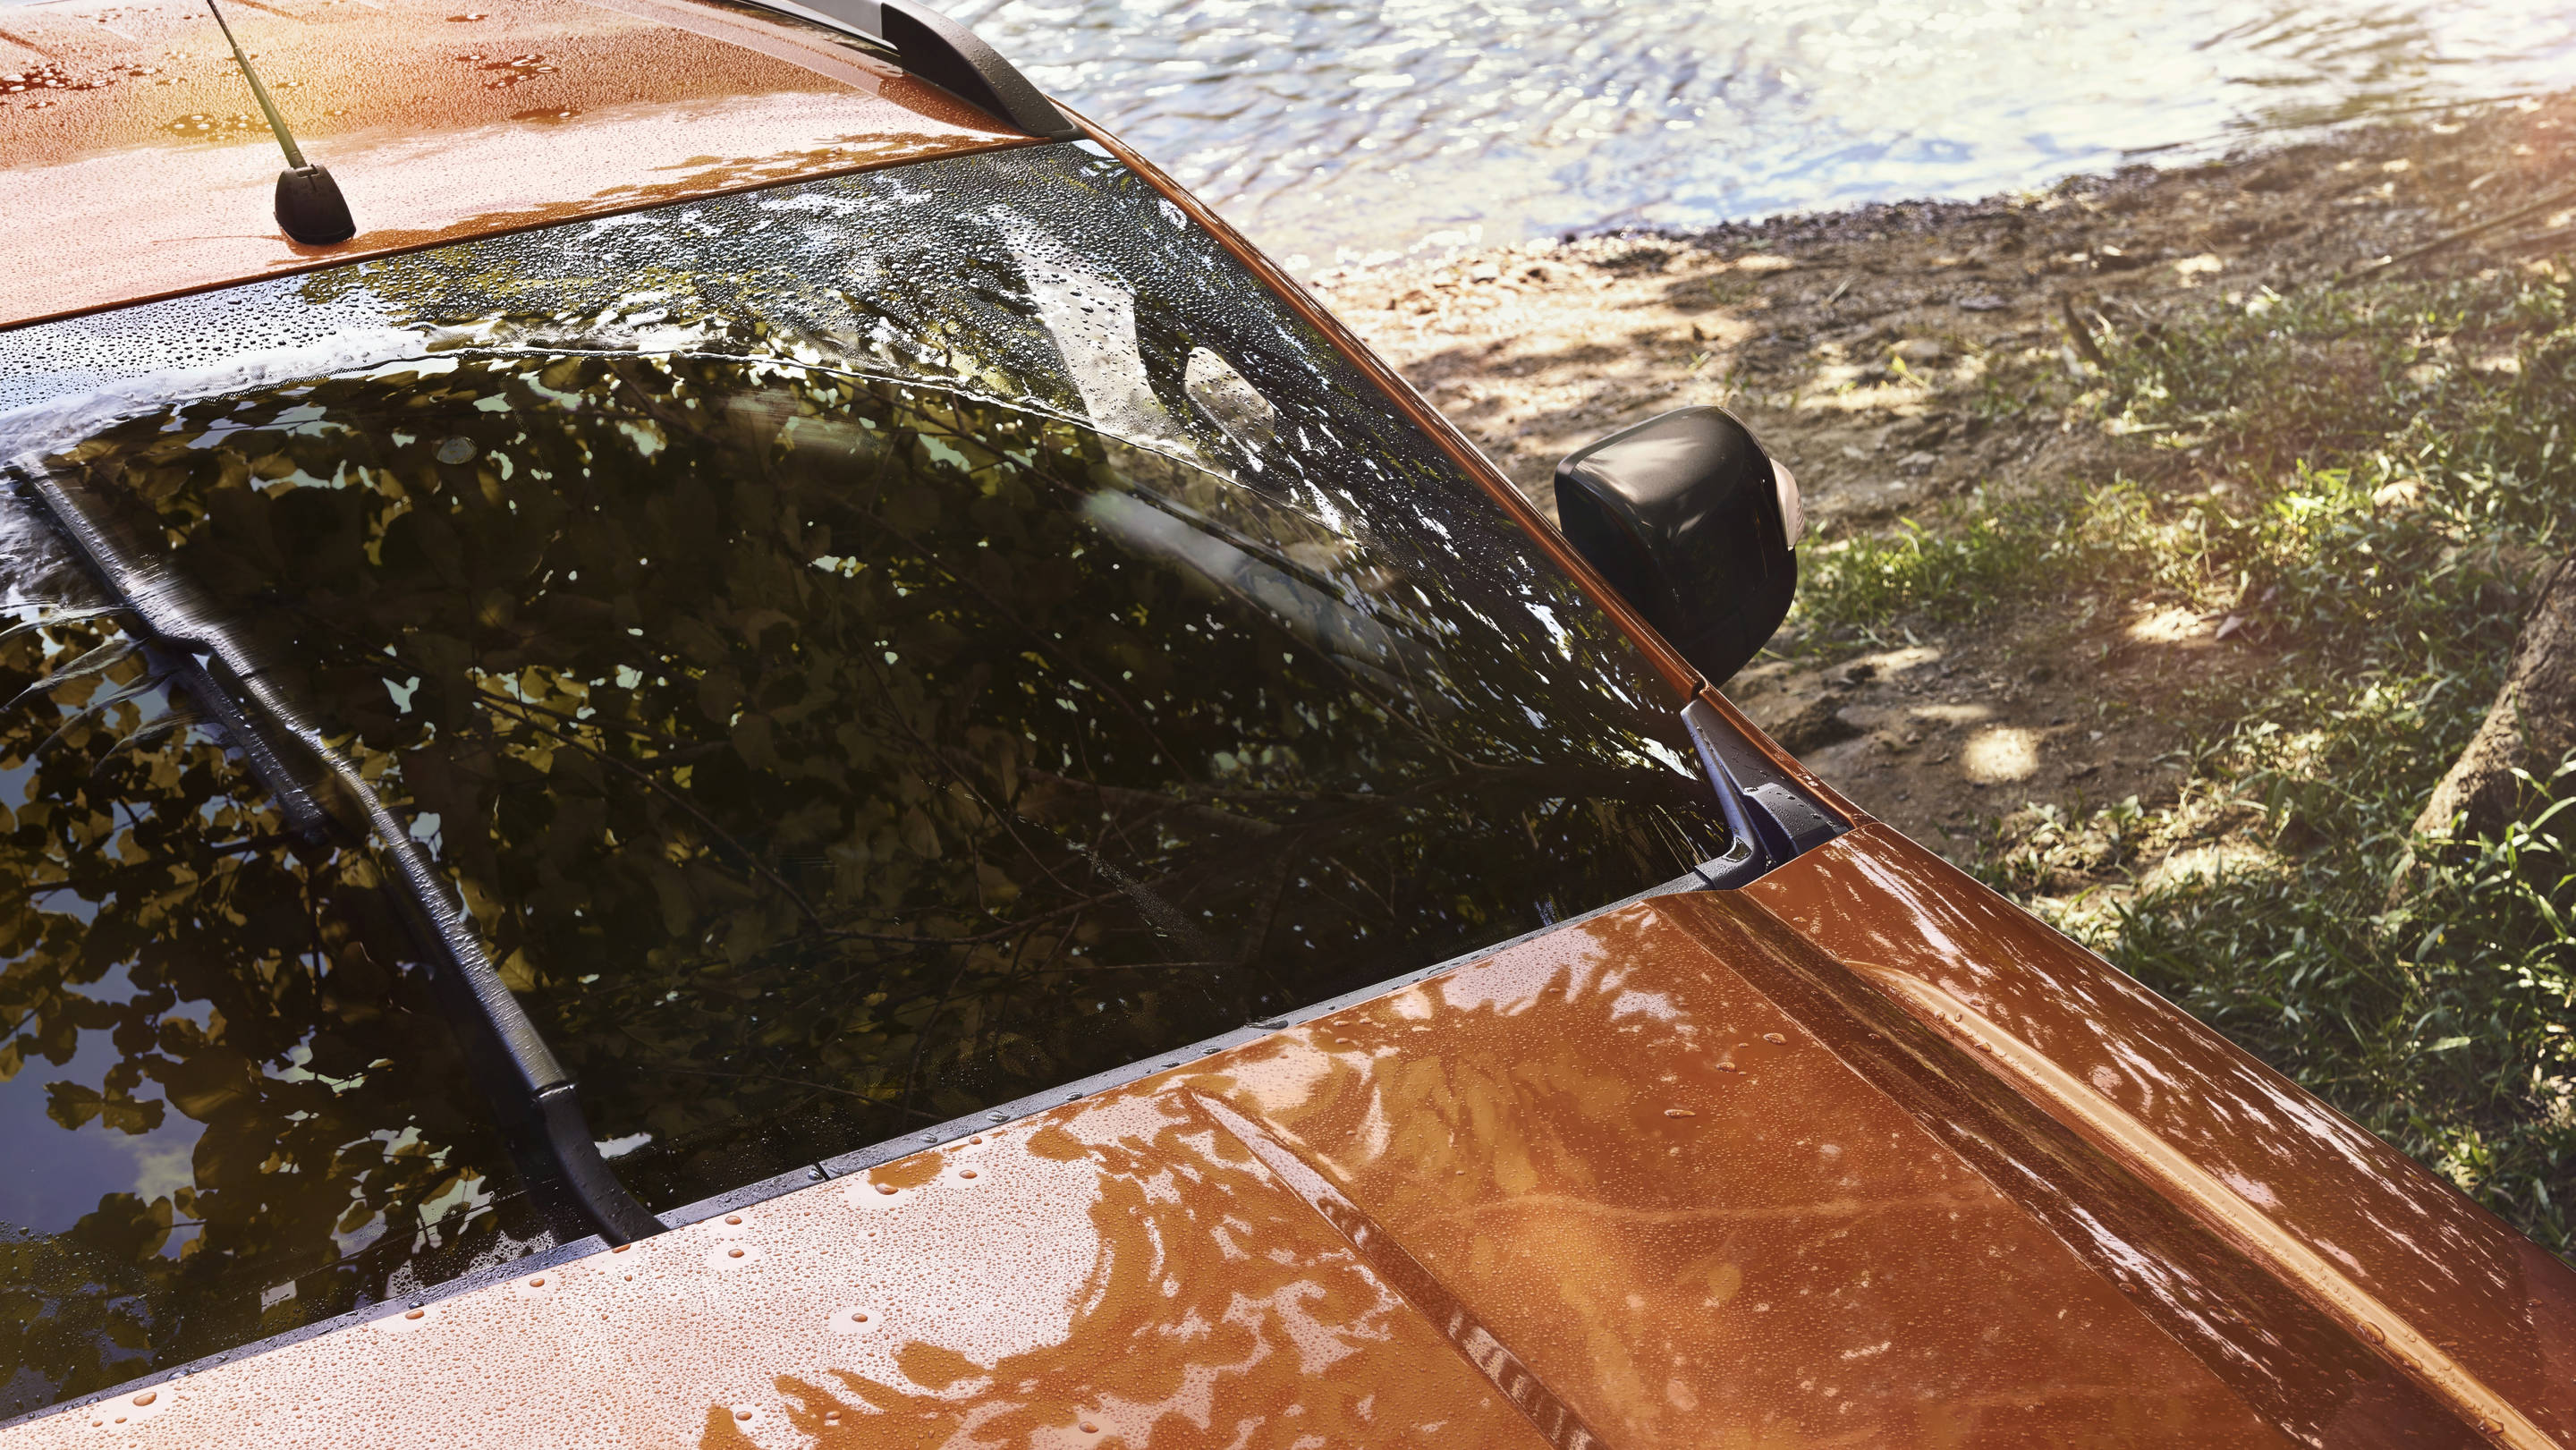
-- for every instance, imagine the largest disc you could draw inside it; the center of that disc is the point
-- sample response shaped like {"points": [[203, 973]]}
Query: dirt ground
{"points": [[1880, 351]]}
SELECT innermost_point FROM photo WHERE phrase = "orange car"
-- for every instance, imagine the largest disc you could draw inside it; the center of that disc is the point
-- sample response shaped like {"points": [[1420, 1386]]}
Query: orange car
{"points": [[1102, 877]]}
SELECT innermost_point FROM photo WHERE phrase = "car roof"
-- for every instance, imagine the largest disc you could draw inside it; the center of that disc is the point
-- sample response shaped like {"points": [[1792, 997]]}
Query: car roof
{"points": [[133, 163]]}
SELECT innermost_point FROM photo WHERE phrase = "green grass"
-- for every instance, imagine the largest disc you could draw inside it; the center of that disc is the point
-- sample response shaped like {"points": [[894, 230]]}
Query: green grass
{"points": [[1972, 557], [2389, 464]]}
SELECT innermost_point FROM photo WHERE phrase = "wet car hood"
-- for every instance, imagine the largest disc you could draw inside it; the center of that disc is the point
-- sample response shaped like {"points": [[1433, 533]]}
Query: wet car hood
{"points": [[129, 129], [1668, 1176]]}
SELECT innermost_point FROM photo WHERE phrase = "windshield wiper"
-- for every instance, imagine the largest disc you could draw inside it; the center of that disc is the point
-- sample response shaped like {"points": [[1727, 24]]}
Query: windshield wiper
{"points": [[1771, 817], [531, 1093]]}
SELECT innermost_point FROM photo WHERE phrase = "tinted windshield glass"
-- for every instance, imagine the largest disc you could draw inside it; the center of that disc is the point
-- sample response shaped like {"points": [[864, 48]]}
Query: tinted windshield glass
{"points": [[225, 1107], [865, 651]]}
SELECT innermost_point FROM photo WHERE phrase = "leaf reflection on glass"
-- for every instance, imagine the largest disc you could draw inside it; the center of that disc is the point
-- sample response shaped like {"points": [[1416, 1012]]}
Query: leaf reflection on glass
{"points": [[244, 987], [828, 731], [821, 755]]}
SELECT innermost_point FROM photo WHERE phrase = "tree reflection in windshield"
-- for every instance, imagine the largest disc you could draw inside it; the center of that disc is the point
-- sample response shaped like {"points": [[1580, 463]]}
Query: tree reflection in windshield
{"points": [[226, 1111], [824, 755], [864, 651]]}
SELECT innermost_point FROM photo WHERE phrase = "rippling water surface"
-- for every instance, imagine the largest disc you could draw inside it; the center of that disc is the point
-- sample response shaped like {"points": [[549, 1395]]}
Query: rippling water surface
{"points": [[1332, 132]]}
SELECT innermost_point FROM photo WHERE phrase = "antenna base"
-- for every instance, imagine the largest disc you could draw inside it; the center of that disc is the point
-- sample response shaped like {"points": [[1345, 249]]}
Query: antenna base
{"points": [[309, 207]]}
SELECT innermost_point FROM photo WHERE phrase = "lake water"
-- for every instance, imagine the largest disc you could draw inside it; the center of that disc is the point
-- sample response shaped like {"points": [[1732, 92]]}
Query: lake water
{"points": [[1336, 133]]}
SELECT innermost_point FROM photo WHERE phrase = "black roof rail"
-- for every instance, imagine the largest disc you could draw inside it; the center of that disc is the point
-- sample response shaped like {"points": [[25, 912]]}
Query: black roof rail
{"points": [[937, 49]]}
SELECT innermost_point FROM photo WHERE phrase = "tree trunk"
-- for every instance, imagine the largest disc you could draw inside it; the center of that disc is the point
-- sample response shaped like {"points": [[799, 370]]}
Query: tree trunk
{"points": [[2531, 727]]}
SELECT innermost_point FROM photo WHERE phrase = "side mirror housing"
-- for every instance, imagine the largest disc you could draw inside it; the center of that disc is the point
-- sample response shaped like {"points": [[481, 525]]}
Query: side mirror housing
{"points": [[1694, 525]]}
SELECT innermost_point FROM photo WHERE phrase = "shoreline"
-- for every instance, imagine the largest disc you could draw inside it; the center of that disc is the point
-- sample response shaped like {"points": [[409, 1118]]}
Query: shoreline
{"points": [[1920, 361]]}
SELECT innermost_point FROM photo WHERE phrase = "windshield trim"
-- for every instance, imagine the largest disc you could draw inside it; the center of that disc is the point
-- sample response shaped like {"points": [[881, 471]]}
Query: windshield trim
{"points": [[1752, 755]]}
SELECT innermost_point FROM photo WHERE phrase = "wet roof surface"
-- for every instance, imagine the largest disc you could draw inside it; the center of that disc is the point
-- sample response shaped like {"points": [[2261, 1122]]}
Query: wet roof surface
{"points": [[133, 162]]}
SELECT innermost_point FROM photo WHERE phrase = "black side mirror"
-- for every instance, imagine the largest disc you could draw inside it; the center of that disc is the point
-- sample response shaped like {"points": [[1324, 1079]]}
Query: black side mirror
{"points": [[1694, 525]]}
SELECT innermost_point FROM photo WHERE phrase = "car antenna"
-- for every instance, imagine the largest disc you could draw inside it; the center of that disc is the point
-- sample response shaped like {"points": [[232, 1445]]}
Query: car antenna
{"points": [[309, 205]]}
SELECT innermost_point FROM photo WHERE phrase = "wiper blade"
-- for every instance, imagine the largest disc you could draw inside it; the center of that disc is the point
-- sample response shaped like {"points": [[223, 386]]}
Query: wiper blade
{"points": [[529, 1089]]}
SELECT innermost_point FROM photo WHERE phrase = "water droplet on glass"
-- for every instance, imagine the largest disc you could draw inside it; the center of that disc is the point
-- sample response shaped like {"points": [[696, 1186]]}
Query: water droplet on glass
{"points": [[1775, 1038], [414, 1313], [145, 1398], [1679, 1113], [456, 450]]}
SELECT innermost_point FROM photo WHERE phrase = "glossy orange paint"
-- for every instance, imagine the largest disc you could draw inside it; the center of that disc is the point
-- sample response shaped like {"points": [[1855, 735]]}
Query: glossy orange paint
{"points": [[133, 163], [1699, 1226], [1859, 1155], [2461, 1308], [1697, 1172], [1117, 1274]]}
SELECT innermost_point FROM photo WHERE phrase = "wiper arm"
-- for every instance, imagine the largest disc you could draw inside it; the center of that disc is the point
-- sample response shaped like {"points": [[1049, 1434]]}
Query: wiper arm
{"points": [[309, 205], [530, 1091], [1772, 820]]}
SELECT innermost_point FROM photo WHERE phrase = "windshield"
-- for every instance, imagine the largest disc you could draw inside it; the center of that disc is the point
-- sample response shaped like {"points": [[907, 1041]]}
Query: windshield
{"points": [[859, 653]]}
